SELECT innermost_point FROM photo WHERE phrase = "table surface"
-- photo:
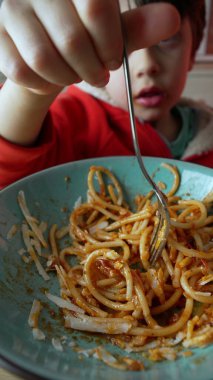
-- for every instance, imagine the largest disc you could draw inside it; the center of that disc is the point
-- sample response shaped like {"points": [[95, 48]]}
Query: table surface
{"points": [[5, 375]]}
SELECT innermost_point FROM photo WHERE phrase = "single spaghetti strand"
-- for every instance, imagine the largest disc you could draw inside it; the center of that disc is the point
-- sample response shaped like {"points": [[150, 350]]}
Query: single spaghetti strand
{"points": [[169, 330]]}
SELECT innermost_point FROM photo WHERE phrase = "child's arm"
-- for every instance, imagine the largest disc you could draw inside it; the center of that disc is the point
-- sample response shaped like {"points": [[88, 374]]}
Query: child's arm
{"points": [[46, 45], [22, 113]]}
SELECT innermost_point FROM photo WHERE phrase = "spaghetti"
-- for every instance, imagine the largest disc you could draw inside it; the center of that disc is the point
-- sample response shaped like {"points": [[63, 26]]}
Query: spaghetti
{"points": [[110, 287]]}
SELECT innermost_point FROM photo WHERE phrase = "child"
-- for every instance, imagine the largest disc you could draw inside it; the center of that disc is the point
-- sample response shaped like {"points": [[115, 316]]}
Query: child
{"points": [[41, 128]]}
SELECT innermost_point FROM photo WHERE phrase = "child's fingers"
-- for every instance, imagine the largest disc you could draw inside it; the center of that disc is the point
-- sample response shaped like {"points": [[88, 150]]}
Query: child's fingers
{"points": [[61, 42], [102, 20], [89, 36], [149, 25], [13, 66], [71, 39], [35, 47]]}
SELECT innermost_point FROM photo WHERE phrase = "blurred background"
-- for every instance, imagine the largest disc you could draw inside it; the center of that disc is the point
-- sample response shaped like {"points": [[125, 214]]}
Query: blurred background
{"points": [[200, 79]]}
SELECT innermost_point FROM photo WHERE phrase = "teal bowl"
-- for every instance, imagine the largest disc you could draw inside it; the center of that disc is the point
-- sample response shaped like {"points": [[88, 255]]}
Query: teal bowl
{"points": [[51, 195]]}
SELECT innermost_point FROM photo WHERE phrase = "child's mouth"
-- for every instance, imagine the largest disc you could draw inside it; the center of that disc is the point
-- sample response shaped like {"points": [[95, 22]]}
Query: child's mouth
{"points": [[150, 97]]}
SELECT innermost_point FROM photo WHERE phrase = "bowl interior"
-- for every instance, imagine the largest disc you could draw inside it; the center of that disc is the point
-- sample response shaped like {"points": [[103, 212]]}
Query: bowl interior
{"points": [[50, 196]]}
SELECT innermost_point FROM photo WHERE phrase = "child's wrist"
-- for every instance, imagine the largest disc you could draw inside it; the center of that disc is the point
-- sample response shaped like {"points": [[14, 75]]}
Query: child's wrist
{"points": [[22, 112]]}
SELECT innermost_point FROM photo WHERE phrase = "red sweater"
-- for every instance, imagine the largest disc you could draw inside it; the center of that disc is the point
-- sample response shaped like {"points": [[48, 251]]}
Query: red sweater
{"points": [[79, 126]]}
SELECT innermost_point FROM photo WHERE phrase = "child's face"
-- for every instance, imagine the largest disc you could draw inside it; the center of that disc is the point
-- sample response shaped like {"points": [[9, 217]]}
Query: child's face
{"points": [[158, 76]]}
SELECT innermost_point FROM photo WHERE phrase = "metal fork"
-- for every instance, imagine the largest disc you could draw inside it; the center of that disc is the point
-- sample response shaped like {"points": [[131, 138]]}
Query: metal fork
{"points": [[161, 231]]}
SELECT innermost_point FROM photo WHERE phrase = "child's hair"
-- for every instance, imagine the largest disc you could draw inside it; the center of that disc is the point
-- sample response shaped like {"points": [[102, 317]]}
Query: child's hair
{"points": [[194, 10]]}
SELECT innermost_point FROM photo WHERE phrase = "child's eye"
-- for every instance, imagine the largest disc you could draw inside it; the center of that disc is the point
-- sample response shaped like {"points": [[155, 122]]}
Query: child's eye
{"points": [[170, 41]]}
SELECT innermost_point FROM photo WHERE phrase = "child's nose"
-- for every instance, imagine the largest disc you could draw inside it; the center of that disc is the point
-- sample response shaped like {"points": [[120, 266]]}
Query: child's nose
{"points": [[146, 63]]}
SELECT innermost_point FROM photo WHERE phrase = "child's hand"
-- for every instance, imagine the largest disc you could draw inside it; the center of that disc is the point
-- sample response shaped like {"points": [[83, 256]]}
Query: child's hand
{"points": [[49, 43]]}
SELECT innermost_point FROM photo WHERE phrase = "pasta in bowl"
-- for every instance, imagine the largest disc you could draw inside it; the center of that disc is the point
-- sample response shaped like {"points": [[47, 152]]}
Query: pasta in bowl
{"points": [[101, 280]]}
